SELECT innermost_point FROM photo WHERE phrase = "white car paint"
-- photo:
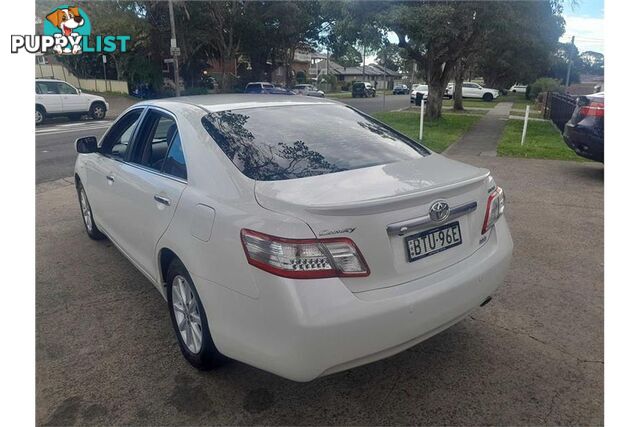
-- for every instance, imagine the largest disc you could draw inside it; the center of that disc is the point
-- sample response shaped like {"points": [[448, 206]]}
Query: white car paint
{"points": [[301, 328], [472, 90], [58, 97], [422, 89], [518, 88]]}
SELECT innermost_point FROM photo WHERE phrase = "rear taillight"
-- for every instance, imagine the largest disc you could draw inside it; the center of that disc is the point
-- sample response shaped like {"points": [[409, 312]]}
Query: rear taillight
{"points": [[595, 109], [303, 258], [495, 209]]}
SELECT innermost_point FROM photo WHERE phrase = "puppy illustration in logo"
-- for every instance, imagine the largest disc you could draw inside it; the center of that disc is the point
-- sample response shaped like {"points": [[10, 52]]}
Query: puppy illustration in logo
{"points": [[67, 20]]}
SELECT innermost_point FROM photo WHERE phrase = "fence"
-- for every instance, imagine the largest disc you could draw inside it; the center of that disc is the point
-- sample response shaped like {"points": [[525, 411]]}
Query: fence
{"points": [[56, 71], [559, 107]]}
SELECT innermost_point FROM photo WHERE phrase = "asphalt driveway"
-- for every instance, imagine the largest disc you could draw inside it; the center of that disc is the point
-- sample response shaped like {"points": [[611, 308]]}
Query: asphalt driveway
{"points": [[106, 353]]}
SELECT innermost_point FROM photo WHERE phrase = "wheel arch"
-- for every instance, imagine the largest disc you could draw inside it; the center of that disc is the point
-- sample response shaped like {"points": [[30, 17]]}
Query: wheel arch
{"points": [[97, 101], [165, 257], [38, 105]]}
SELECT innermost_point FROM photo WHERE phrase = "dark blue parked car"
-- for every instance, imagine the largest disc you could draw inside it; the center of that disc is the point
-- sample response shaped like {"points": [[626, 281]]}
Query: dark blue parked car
{"points": [[584, 132]]}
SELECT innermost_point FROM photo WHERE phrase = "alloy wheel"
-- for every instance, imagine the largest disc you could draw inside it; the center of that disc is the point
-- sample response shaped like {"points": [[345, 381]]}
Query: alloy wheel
{"points": [[39, 116], [187, 315], [98, 112]]}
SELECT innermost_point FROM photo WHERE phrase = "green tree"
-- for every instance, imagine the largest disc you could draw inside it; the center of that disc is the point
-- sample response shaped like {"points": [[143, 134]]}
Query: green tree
{"points": [[521, 44]]}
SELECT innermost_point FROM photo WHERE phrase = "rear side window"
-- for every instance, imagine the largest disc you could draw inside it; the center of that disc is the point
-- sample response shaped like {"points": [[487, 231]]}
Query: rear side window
{"points": [[279, 143], [175, 164]]}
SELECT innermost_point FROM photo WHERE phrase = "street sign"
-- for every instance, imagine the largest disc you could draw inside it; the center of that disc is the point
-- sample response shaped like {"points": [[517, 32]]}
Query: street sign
{"points": [[175, 51]]}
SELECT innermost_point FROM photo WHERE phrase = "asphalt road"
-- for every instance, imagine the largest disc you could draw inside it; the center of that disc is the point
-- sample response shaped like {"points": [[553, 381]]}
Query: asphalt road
{"points": [[106, 353], [55, 153]]}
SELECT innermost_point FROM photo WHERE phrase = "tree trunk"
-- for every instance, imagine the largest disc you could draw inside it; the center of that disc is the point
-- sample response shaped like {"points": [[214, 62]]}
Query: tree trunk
{"points": [[457, 93], [437, 78]]}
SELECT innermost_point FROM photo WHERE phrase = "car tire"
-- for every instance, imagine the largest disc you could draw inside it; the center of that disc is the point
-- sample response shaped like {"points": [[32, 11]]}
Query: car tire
{"points": [[98, 111], [185, 308], [40, 114], [87, 215], [487, 97]]}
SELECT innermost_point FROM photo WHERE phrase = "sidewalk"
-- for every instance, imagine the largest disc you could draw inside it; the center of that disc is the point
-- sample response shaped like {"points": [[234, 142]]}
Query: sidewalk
{"points": [[482, 139]]}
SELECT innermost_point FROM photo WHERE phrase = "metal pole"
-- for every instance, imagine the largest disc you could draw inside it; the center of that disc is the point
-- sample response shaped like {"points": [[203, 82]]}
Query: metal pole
{"points": [[524, 128], [421, 117], [384, 87], [363, 62], [104, 70], [569, 65], [174, 45]]}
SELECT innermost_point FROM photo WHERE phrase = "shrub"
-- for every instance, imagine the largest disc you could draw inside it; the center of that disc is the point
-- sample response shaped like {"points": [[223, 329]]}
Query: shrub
{"points": [[543, 84]]}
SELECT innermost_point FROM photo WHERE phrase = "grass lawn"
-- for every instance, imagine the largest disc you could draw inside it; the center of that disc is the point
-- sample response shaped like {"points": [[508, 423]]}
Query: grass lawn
{"points": [[519, 100], [437, 135], [543, 141], [532, 113], [342, 95], [338, 95]]}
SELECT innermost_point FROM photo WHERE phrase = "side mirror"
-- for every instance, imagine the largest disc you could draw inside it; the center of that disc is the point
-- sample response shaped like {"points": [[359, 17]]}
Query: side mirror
{"points": [[79, 91], [87, 145]]}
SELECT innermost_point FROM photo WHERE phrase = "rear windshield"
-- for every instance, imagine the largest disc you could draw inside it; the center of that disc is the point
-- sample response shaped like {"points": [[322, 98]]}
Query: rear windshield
{"points": [[288, 142]]}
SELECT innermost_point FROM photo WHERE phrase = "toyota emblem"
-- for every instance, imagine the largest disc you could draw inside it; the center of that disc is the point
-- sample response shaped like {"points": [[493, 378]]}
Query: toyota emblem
{"points": [[439, 211]]}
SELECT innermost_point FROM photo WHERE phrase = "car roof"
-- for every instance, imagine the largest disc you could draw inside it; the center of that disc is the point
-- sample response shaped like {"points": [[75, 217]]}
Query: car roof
{"points": [[213, 103], [50, 80]]}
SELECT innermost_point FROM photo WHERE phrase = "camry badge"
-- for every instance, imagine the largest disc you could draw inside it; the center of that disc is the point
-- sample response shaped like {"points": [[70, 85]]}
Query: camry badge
{"points": [[439, 211]]}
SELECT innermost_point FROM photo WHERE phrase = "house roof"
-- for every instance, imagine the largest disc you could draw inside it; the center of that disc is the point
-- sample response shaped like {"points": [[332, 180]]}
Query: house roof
{"points": [[372, 70]]}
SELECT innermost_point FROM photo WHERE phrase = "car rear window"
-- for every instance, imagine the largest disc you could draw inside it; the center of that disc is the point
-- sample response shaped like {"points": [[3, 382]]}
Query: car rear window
{"points": [[280, 143]]}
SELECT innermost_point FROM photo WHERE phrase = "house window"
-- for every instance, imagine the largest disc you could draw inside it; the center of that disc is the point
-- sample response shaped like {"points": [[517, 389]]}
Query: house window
{"points": [[41, 60]]}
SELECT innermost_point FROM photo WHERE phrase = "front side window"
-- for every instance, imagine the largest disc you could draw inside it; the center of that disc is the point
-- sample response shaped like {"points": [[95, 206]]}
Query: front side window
{"points": [[116, 142], [280, 143], [66, 89]]}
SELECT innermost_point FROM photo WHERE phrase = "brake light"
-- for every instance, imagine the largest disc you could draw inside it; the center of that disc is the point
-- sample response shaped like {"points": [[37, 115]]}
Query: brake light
{"points": [[303, 258], [595, 109], [495, 209]]}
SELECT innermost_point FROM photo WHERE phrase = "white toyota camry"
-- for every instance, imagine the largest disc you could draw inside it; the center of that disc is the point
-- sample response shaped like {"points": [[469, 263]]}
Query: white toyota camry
{"points": [[300, 236]]}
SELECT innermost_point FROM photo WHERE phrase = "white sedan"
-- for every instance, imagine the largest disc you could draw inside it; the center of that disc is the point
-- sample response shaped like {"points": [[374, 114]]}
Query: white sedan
{"points": [[473, 90], [423, 90], [299, 249]]}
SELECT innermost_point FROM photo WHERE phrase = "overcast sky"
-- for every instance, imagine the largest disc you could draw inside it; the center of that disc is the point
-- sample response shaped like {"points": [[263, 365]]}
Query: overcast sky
{"points": [[586, 22]]}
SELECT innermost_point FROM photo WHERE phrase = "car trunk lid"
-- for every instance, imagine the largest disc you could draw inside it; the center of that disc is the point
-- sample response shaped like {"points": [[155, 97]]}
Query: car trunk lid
{"points": [[367, 204]]}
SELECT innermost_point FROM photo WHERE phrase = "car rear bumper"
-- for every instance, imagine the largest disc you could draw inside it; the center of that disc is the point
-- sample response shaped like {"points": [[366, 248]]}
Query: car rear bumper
{"points": [[303, 329], [584, 142]]}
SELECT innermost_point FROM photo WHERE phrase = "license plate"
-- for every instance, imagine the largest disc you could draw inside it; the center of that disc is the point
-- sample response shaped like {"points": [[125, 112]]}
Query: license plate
{"points": [[433, 241]]}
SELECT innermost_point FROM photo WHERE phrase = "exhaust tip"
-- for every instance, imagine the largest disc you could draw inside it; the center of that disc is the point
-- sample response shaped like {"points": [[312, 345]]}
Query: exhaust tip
{"points": [[486, 301]]}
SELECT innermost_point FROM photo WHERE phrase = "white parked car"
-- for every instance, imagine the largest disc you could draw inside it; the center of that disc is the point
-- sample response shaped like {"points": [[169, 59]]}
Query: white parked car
{"points": [[299, 249], [473, 90], [308, 90], [59, 98], [518, 88], [421, 89]]}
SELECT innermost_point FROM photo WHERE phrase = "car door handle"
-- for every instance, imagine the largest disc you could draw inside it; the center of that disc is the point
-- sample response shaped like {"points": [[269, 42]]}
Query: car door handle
{"points": [[162, 200], [110, 178]]}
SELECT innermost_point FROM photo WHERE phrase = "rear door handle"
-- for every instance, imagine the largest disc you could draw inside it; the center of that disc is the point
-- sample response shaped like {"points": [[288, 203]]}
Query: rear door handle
{"points": [[110, 178], [158, 198]]}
